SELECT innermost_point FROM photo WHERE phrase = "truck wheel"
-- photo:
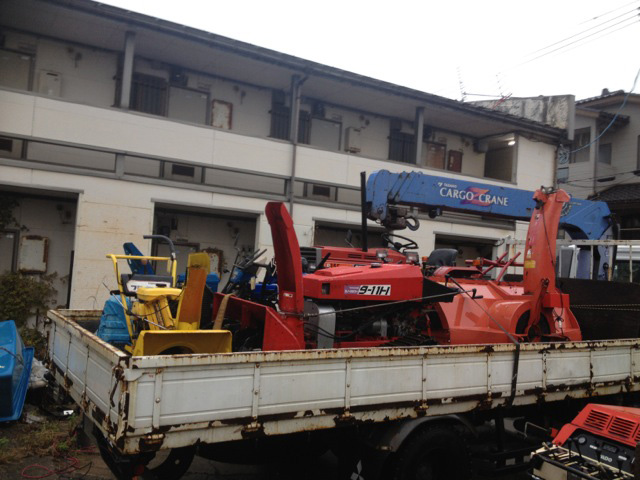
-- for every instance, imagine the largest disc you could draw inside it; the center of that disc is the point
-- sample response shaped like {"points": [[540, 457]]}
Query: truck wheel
{"points": [[170, 467], [435, 453], [174, 465]]}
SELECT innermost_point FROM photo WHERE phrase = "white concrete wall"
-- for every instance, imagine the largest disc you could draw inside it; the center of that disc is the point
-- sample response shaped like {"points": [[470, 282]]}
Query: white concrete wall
{"points": [[374, 131], [87, 75], [148, 135], [625, 143], [250, 114], [581, 174], [535, 164]]}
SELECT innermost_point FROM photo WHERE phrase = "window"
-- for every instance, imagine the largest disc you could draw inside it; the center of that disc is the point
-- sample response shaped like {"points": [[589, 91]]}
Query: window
{"points": [[326, 233], [498, 163], [71, 156], [142, 166], [319, 192], [604, 153], [148, 94], [402, 146], [281, 119], [245, 181], [581, 139], [184, 170], [15, 69], [188, 105], [563, 175], [630, 227], [182, 173], [454, 163], [435, 154], [10, 147], [9, 247], [325, 133]]}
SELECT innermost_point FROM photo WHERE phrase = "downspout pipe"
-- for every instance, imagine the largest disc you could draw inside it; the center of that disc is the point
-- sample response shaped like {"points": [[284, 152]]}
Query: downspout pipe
{"points": [[419, 129], [127, 69], [295, 94], [363, 211]]}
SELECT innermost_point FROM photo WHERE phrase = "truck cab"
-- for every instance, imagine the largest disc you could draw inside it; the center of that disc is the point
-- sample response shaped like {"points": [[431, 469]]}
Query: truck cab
{"points": [[626, 267]]}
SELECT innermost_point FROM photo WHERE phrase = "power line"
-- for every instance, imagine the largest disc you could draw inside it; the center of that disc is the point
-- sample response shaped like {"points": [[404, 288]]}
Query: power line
{"points": [[582, 32], [614, 184], [586, 179], [607, 13], [601, 36], [631, 18], [615, 117], [634, 19], [630, 21]]}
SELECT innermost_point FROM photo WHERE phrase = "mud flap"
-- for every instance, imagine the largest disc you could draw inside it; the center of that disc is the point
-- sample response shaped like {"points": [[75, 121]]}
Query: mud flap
{"points": [[173, 342]]}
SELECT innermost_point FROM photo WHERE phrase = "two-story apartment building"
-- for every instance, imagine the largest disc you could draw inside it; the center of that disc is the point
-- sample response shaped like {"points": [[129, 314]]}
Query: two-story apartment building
{"points": [[604, 162], [114, 125]]}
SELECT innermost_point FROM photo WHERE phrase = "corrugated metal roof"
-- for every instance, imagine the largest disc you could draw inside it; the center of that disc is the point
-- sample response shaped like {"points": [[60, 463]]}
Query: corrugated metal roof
{"points": [[606, 96], [628, 193]]}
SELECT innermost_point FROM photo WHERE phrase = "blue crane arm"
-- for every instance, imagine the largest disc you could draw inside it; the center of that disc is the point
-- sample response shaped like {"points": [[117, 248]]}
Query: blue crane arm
{"points": [[389, 195]]}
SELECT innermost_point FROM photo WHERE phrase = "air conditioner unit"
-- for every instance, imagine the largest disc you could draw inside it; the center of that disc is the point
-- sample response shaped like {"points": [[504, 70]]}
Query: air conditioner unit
{"points": [[353, 140], [50, 83]]}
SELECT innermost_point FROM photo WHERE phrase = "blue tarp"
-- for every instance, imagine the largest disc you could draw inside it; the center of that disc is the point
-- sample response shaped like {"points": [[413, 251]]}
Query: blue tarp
{"points": [[15, 369]]}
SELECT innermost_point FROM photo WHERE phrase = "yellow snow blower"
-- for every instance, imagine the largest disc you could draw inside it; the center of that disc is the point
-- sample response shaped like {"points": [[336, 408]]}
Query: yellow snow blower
{"points": [[150, 300]]}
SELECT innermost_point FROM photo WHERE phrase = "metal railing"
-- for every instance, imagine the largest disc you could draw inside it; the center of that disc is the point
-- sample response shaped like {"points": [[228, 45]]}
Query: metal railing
{"points": [[610, 248]]}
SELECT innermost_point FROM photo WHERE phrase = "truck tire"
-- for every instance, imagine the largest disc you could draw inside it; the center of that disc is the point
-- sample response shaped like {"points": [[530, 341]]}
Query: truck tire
{"points": [[171, 466], [434, 453]]}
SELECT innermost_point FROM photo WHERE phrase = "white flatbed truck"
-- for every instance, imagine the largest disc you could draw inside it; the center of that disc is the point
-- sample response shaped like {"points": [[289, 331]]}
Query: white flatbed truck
{"points": [[401, 402]]}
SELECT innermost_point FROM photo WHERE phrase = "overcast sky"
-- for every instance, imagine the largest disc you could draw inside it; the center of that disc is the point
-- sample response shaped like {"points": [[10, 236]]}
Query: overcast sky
{"points": [[491, 47]]}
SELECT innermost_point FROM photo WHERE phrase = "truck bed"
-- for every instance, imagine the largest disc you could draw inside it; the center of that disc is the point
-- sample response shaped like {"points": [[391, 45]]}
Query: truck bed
{"points": [[157, 402]]}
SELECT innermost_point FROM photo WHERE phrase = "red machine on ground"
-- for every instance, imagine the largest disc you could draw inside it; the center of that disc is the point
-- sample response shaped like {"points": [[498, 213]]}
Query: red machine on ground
{"points": [[385, 304], [600, 443]]}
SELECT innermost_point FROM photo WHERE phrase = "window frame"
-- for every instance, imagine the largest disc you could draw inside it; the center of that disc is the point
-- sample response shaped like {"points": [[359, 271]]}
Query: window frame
{"points": [[141, 81], [580, 144], [608, 150], [402, 146]]}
